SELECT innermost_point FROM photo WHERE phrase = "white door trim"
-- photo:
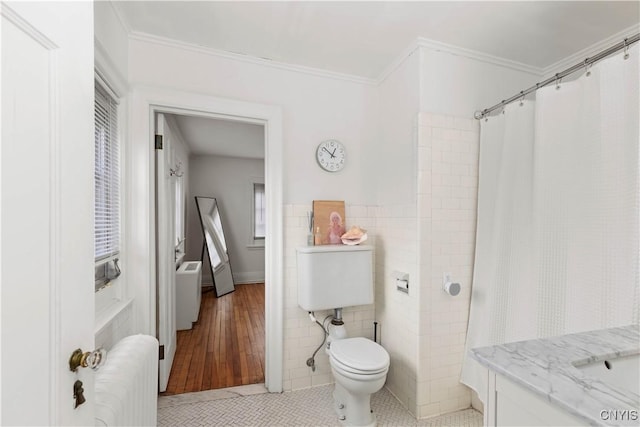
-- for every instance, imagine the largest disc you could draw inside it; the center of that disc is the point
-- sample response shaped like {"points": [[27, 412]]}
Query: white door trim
{"points": [[140, 213]]}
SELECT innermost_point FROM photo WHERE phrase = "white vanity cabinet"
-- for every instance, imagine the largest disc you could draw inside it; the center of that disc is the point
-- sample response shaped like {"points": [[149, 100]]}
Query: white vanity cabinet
{"points": [[551, 381], [509, 404]]}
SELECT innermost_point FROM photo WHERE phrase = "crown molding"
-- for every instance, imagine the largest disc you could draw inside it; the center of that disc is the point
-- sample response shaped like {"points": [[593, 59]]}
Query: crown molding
{"points": [[478, 56], [580, 56], [120, 15], [108, 71], [422, 42], [149, 38], [403, 56]]}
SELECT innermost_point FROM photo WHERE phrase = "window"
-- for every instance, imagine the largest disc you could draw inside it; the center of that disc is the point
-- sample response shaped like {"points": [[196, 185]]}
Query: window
{"points": [[107, 187], [259, 211]]}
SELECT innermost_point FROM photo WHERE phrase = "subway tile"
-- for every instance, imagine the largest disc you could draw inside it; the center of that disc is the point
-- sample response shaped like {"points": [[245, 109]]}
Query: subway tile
{"points": [[465, 124], [468, 136], [300, 383], [429, 410], [442, 121], [449, 405]]}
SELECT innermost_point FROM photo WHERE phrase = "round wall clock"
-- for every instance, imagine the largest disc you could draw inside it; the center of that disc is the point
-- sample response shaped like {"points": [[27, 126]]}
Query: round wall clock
{"points": [[331, 155]]}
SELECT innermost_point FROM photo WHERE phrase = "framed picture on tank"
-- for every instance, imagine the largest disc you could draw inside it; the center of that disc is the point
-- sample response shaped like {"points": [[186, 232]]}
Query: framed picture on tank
{"points": [[328, 221]]}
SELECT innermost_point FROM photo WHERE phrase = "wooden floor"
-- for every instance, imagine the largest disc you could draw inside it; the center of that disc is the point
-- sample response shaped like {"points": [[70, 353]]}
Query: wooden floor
{"points": [[225, 347]]}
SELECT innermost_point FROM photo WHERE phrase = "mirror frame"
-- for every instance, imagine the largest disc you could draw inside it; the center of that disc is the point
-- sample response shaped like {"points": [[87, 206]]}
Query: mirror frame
{"points": [[221, 287]]}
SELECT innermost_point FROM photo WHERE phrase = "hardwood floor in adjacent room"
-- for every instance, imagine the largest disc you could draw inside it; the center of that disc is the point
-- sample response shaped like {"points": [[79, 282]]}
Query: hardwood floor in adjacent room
{"points": [[225, 347]]}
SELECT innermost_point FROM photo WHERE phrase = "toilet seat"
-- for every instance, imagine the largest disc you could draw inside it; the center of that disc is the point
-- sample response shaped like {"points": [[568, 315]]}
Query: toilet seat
{"points": [[359, 356]]}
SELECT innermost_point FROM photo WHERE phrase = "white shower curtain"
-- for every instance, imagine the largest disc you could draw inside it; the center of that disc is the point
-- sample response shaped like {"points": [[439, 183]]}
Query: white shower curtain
{"points": [[557, 244]]}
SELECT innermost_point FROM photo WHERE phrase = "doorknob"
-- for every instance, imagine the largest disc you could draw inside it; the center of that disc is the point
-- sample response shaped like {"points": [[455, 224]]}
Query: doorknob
{"points": [[93, 359]]}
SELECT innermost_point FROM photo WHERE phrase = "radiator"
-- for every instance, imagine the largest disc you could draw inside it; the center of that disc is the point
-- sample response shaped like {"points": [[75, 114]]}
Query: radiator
{"points": [[126, 386], [188, 294]]}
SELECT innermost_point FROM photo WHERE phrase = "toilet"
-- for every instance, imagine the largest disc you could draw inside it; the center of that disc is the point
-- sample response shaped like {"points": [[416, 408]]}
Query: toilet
{"points": [[333, 277]]}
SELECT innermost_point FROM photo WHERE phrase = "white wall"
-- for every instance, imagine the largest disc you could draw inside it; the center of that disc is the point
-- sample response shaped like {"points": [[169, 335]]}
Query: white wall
{"points": [[459, 85], [399, 101], [396, 223], [230, 181], [117, 328], [314, 108], [114, 319], [111, 43]]}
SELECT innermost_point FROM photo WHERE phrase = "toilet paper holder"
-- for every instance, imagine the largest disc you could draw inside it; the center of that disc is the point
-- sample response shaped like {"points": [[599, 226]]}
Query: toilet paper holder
{"points": [[402, 281]]}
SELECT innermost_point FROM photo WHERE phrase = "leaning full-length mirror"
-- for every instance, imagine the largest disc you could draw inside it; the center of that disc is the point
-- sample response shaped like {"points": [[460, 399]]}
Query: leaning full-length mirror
{"points": [[216, 245]]}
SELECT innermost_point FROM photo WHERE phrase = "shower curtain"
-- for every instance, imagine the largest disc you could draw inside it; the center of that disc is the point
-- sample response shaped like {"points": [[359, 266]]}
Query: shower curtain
{"points": [[557, 243]]}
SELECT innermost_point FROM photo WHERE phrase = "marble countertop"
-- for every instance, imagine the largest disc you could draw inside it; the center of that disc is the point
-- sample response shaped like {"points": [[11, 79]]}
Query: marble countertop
{"points": [[547, 367]]}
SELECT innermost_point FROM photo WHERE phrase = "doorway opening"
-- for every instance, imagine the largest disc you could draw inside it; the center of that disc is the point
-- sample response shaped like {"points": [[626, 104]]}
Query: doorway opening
{"points": [[217, 186], [147, 102]]}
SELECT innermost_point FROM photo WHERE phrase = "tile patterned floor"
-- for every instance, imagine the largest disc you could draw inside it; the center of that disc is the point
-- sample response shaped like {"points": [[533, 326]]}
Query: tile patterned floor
{"points": [[253, 406]]}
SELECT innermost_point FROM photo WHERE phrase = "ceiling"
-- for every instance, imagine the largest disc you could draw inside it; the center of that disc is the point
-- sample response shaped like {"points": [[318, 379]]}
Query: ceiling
{"points": [[206, 136], [362, 38]]}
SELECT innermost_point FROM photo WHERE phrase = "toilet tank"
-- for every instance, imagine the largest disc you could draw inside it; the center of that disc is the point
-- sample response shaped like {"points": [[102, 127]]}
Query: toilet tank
{"points": [[334, 276]]}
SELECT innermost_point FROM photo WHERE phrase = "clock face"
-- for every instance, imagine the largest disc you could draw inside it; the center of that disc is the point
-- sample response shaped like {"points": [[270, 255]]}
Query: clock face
{"points": [[331, 155]]}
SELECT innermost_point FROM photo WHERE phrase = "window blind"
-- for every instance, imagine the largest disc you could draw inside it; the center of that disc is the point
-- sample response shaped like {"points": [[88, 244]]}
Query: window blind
{"points": [[106, 176]]}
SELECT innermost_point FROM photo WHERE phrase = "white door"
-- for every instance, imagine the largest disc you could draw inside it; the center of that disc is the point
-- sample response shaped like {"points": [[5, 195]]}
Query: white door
{"points": [[165, 250], [46, 225]]}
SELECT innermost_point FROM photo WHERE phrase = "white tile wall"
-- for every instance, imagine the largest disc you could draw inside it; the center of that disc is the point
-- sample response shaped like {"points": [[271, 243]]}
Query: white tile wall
{"points": [[397, 312], [424, 331], [447, 195], [301, 335]]}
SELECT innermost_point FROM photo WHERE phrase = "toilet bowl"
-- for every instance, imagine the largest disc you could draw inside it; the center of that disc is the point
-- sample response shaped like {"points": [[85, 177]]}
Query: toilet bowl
{"points": [[359, 367]]}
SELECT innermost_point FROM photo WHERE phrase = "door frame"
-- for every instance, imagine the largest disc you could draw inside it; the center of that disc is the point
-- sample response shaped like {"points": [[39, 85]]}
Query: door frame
{"points": [[146, 102]]}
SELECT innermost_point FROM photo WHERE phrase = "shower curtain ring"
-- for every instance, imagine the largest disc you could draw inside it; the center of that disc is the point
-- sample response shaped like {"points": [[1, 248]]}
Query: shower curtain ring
{"points": [[626, 49], [558, 80], [587, 67], [522, 99]]}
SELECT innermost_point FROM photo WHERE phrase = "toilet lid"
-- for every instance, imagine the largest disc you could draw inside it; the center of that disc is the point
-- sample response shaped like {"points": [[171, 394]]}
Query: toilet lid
{"points": [[360, 354]]}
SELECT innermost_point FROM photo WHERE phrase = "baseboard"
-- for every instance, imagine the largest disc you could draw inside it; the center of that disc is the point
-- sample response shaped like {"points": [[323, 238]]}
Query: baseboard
{"points": [[238, 278], [248, 277]]}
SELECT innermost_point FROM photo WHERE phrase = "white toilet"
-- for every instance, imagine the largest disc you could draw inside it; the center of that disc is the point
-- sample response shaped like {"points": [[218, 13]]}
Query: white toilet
{"points": [[333, 277]]}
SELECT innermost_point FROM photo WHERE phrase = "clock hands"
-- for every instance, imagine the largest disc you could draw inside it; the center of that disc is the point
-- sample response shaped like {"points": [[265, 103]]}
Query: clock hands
{"points": [[330, 153], [334, 152]]}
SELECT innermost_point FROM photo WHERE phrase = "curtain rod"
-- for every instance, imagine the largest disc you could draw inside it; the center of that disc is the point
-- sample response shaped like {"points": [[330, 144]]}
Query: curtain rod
{"points": [[581, 65]]}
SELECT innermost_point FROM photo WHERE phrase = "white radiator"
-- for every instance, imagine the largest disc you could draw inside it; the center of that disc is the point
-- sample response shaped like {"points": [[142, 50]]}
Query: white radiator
{"points": [[188, 294], [126, 386]]}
